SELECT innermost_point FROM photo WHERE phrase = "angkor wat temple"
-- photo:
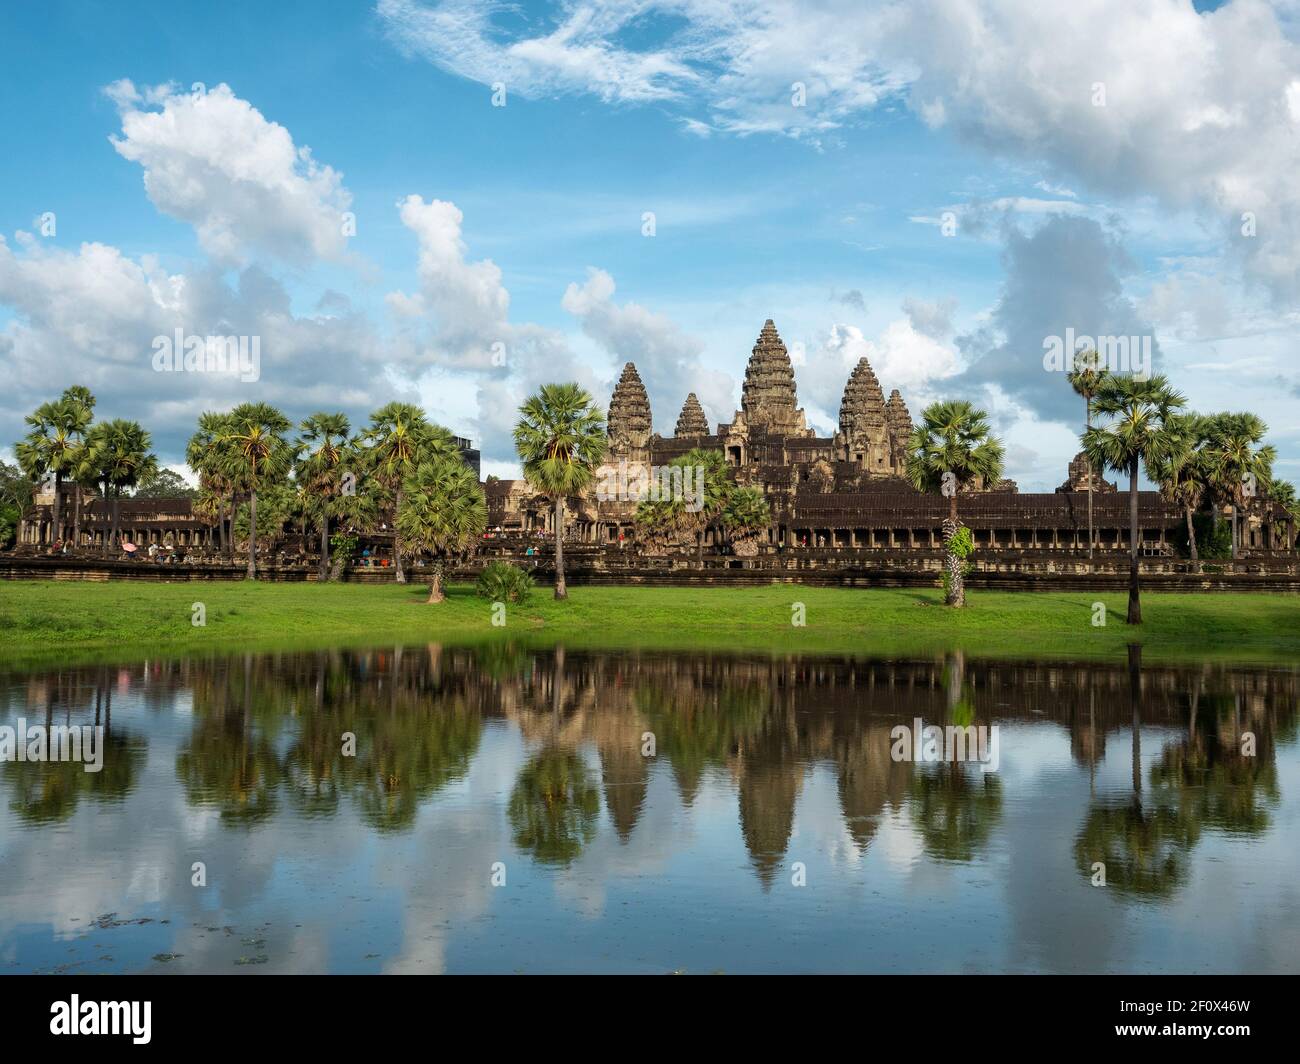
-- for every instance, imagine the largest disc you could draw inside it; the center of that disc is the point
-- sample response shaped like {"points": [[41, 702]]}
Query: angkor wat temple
{"points": [[847, 490], [831, 498]]}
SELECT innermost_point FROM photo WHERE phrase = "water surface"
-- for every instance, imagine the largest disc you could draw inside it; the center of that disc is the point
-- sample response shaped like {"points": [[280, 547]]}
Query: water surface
{"points": [[549, 811]]}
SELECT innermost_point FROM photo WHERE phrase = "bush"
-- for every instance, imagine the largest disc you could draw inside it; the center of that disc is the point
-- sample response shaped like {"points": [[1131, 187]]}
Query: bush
{"points": [[503, 582]]}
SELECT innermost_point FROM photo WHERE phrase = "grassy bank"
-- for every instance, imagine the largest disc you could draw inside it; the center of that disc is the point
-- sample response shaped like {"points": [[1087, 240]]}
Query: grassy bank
{"points": [[49, 622]]}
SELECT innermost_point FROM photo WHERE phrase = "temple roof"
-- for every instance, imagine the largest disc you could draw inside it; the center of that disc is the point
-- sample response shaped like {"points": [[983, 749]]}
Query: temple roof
{"points": [[629, 421], [691, 421]]}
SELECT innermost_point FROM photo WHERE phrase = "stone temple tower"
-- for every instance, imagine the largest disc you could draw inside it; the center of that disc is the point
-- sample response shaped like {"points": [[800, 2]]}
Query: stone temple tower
{"points": [[691, 421], [629, 424], [768, 397], [864, 437], [900, 430]]}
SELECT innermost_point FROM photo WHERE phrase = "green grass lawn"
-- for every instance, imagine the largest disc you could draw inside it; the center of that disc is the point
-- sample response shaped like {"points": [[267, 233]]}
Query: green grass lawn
{"points": [[46, 622]]}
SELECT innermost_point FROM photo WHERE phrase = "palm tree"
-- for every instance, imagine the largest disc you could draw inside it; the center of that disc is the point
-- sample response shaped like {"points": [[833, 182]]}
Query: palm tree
{"points": [[745, 512], [1181, 470], [254, 454], [205, 455], [1283, 494], [950, 451], [561, 440], [119, 455], [1242, 469], [443, 513], [320, 449], [1086, 377], [1139, 411], [58, 430], [399, 439], [690, 513], [83, 398]]}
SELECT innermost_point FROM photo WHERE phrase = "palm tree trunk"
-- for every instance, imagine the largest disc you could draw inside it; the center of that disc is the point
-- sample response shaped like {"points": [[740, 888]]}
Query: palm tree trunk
{"points": [[1191, 539], [1235, 550], [252, 535], [956, 596], [221, 524], [397, 546], [1088, 423], [1134, 601], [1135, 702], [76, 517], [699, 549], [55, 536], [435, 585], [561, 592], [323, 570], [230, 530], [106, 529], [117, 501]]}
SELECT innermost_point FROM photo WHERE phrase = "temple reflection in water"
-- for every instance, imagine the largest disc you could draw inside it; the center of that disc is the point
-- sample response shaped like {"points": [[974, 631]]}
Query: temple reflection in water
{"points": [[267, 738]]}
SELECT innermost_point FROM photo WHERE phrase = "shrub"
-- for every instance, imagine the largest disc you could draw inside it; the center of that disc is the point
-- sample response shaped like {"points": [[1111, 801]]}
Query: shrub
{"points": [[503, 582]]}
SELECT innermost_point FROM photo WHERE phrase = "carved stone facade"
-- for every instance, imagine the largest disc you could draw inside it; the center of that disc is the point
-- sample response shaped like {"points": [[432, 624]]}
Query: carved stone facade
{"points": [[691, 421], [629, 423], [848, 490], [1080, 473]]}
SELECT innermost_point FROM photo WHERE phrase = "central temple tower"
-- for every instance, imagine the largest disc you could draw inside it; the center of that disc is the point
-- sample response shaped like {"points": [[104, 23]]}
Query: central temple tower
{"points": [[768, 398]]}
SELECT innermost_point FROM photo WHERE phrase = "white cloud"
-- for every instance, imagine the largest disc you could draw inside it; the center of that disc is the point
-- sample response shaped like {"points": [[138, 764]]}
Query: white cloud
{"points": [[667, 359], [1199, 108], [212, 160]]}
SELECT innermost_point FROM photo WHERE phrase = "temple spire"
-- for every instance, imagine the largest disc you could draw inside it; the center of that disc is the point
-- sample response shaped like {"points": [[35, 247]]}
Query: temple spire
{"points": [[629, 422], [862, 410], [768, 397], [691, 421]]}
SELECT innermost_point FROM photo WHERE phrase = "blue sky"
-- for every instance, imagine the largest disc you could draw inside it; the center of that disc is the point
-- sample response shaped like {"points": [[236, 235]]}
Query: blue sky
{"points": [[201, 209]]}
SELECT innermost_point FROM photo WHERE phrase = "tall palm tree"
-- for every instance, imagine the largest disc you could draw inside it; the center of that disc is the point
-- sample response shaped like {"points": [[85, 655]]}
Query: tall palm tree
{"points": [[1138, 411], [443, 513], [58, 430], [1086, 377], [119, 454], [205, 455], [1242, 469], [255, 454], [1181, 470], [83, 398], [400, 437], [321, 448], [561, 440], [953, 450]]}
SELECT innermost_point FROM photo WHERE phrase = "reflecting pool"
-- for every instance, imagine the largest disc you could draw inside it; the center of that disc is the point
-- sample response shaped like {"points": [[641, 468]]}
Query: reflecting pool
{"points": [[499, 809]]}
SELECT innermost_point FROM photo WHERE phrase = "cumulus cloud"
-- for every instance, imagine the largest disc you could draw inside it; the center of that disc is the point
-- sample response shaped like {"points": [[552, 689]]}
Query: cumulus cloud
{"points": [[1195, 107], [667, 359], [91, 316], [902, 356], [1200, 110], [1066, 274], [214, 161]]}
